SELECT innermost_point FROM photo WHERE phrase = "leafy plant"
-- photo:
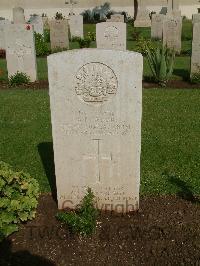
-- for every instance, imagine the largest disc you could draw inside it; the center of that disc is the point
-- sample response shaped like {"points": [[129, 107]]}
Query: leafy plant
{"points": [[41, 45], [161, 62], [142, 45], [59, 16], [83, 42], [18, 199], [92, 36], [18, 79], [195, 77], [47, 35], [97, 14], [83, 221]]}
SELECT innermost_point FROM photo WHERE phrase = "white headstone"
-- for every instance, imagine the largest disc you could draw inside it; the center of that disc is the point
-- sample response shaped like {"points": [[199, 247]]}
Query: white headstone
{"points": [[76, 26], [196, 18], [96, 108], [116, 18], [172, 31], [143, 18], [37, 23], [157, 26], [59, 34], [20, 50], [195, 60], [18, 15], [2, 33], [111, 35]]}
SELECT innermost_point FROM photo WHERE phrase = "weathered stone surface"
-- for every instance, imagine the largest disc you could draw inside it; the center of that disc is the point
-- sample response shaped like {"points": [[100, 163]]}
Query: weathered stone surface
{"points": [[116, 18], [157, 26], [20, 50], [2, 33], [195, 60], [37, 23], [59, 34], [111, 35], [76, 26], [18, 15], [143, 18], [196, 18], [96, 108], [172, 30]]}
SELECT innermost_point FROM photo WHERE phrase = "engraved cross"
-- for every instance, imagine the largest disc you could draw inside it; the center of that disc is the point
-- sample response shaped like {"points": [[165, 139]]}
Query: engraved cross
{"points": [[98, 165]]}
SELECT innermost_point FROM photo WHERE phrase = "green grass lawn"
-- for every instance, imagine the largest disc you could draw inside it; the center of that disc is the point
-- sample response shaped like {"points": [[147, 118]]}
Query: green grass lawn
{"points": [[181, 70], [170, 160]]}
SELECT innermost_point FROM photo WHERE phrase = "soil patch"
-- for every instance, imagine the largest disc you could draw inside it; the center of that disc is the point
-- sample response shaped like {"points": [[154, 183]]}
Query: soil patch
{"points": [[165, 231]]}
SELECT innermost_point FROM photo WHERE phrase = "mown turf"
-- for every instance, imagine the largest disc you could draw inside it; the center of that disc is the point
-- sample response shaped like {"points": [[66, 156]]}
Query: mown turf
{"points": [[170, 160], [181, 69]]}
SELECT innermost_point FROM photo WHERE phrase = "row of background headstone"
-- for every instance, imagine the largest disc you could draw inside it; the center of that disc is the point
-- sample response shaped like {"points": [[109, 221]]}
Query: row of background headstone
{"points": [[109, 35]]}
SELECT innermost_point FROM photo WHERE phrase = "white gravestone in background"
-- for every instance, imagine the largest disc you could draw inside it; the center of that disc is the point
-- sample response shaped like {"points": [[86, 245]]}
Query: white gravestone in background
{"points": [[196, 18], [20, 50], [172, 31], [38, 24], [111, 35], [195, 60], [157, 26], [18, 15], [96, 109], [2, 33], [76, 26], [116, 18], [143, 18], [59, 33]]}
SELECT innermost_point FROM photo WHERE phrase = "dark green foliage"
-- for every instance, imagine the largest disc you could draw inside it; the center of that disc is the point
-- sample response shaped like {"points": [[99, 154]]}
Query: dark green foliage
{"points": [[97, 14], [18, 199], [195, 78], [142, 44], [47, 35], [161, 62], [83, 221], [18, 79], [41, 45], [59, 16], [83, 42]]}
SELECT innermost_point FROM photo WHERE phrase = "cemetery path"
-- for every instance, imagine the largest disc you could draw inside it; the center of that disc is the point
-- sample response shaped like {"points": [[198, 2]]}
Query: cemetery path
{"points": [[165, 231]]}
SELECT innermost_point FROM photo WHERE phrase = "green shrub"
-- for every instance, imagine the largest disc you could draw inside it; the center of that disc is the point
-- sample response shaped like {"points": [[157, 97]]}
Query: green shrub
{"points": [[161, 62], [59, 16], [97, 14], [18, 199], [83, 42], [142, 45], [18, 79], [92, 36], [41, 45], [47, 35], [83, 221], [195, 78]]}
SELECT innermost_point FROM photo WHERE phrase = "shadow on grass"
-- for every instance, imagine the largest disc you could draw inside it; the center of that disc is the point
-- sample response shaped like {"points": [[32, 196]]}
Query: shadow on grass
{"points": [[184, 190], [183, 73], [45, 150], [20, 258]]}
